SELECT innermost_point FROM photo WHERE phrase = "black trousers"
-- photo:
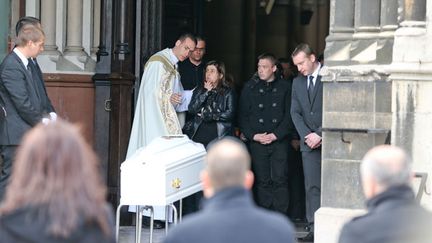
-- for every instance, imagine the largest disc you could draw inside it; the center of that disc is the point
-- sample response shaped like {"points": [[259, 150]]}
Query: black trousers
{"points": [[191, 204], [270, 166], [296, 210], [312, 175], [7, 153]]}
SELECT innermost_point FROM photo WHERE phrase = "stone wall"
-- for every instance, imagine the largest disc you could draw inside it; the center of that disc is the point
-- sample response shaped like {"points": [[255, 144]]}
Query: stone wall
{"points": [[378, 79]]}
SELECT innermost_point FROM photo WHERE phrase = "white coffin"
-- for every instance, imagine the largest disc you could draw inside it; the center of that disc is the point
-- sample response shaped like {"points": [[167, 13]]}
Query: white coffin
{"points": [[163, 172]]}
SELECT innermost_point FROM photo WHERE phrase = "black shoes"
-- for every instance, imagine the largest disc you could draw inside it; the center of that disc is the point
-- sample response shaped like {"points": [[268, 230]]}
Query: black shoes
{"points": [[310, 235], [298, 221], [308, 238], [157, 224]]}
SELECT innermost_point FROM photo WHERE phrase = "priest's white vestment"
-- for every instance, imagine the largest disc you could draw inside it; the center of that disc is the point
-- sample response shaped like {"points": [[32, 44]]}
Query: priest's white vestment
{"points": [[155, 115]]}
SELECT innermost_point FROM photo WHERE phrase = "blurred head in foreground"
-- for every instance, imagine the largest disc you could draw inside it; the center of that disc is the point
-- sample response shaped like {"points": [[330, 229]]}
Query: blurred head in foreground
{"points": [[56, 174], [228, 165]]}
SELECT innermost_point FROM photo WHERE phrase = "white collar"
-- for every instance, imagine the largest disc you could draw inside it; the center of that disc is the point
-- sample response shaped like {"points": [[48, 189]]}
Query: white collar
{"points": [[21, 56], [173, 59], [316, 71]]}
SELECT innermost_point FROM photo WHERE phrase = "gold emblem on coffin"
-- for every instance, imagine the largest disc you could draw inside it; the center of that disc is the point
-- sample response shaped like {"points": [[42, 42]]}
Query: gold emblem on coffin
{"points": [[176, 183]]}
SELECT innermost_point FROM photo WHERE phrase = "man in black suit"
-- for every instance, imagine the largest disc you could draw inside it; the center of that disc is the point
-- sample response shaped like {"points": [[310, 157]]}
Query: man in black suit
{"points": [[22, 103], [306, 113], [229, 214], [34, 66]]}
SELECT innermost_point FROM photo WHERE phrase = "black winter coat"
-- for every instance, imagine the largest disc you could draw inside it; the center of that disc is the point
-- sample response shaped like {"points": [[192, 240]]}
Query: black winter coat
{"points": [[393, 217], [265, 107], [215, 105]]}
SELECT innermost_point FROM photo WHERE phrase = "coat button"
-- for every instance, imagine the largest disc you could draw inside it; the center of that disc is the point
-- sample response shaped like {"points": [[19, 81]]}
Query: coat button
{"points": [[274, 120], [261, 120], [274, 89], [260, 105], [274, 104], [261, 91], [311, 112]]}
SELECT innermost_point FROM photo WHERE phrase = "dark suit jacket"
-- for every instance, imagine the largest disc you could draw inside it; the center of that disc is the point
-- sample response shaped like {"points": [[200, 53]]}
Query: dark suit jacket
{"points": [[19, 100], [306, 115], [40, 85], [231, 217]]}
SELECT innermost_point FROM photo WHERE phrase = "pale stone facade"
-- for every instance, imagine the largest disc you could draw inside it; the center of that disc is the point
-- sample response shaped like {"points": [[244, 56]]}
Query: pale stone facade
{"points": [[72, 30], [377, 90]]}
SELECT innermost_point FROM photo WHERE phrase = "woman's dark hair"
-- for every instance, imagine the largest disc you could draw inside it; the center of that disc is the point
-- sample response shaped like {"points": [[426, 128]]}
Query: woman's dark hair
{"points": [[224, 82], [57, 173]]}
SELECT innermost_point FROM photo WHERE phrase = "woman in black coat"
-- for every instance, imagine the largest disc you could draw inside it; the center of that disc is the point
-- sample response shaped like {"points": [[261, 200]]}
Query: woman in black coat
{"points": [[212, 106]]}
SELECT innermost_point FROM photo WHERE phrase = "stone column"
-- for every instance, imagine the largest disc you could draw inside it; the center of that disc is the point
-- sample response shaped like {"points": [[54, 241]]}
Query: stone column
{"points": [[51, 55], [413, 29], [74, 30], [411, 72], [76, 58], [356, 117], [122, 42], [373, 99], [338, 43], [367, 26], [32, 8], [96, 28], [48, 20], [412, 10], [388, 25]]}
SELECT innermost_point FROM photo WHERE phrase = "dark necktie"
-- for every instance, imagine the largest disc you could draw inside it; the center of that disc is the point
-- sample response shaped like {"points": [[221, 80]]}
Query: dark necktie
{"points": [[31, 67], [311, 88]]}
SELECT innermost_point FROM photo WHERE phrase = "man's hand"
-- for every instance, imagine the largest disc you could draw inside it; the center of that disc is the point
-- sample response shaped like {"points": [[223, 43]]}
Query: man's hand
{"points": [[53, 116], [264, 138], [270, 138], [313, 140], [260, 137], [176, 98]]}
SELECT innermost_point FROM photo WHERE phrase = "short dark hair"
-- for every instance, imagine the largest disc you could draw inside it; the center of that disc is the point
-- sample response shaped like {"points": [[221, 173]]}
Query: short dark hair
{"points": [[303, 47], [272, 58], [200, 38], [186, 35], [25, 21], [29, 33]]}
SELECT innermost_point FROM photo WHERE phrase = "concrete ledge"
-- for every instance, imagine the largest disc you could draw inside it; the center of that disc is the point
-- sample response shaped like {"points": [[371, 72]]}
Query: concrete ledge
{"points": [[329, 222]]}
